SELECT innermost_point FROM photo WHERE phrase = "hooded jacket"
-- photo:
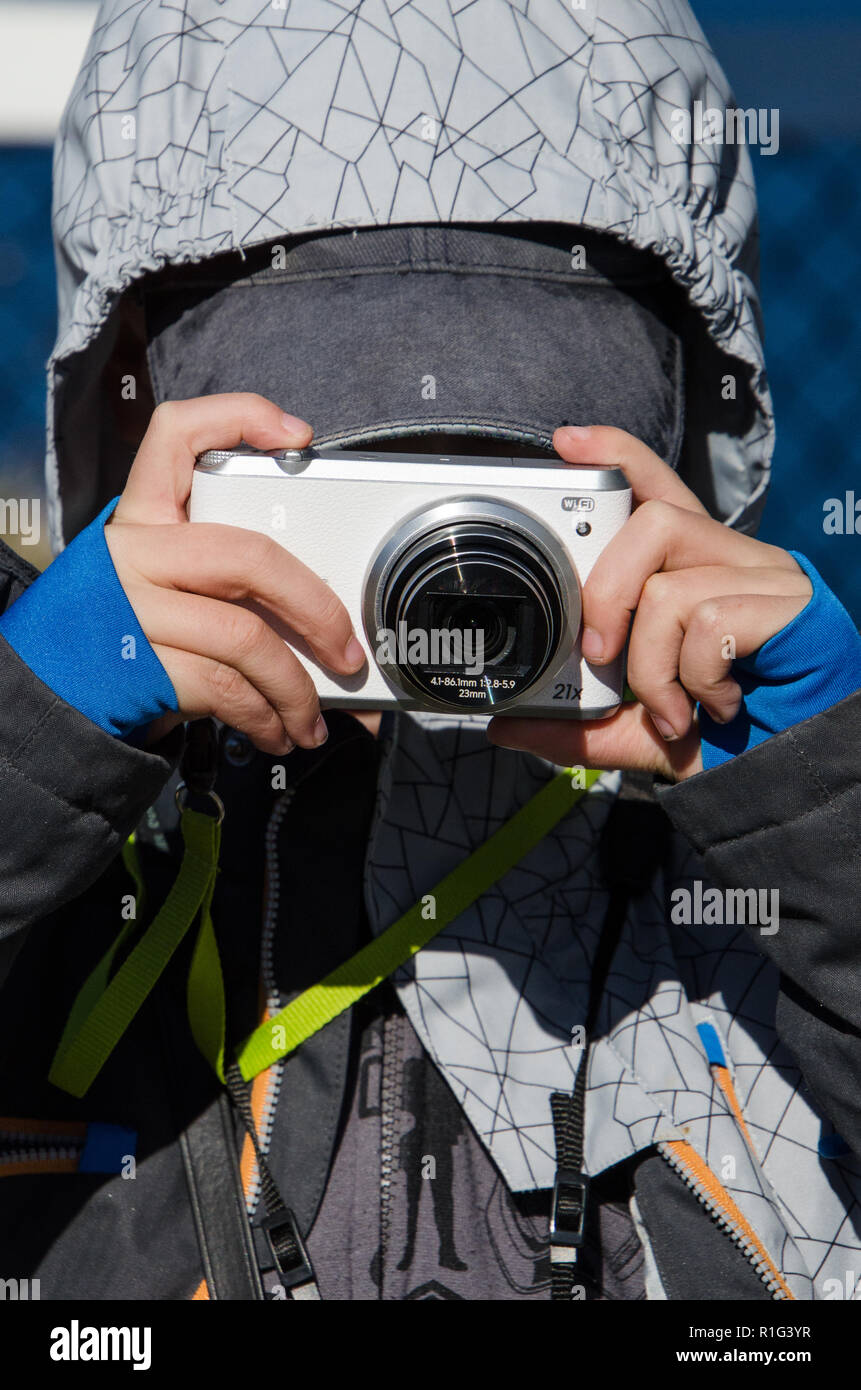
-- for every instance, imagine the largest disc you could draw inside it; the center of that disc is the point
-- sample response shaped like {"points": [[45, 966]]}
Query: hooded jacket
{"points": [[196, 131]]}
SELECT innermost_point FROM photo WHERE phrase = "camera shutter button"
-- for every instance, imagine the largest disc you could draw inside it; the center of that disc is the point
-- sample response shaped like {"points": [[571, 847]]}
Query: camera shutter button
{"points": [[294, 460]]}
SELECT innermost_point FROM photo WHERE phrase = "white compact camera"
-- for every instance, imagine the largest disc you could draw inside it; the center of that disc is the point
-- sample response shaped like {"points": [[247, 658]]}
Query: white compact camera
{"points": [[462, 575]]}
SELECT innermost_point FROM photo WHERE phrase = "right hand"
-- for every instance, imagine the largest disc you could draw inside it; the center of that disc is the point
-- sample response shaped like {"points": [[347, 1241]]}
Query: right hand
{"points": [[689, 583], [185, 582]]}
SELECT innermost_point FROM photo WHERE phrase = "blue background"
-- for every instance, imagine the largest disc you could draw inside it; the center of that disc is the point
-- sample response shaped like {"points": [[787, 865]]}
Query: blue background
{"points": [[776, 55]]}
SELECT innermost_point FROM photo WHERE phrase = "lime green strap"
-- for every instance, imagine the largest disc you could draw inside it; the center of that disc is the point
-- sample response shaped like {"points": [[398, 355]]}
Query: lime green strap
{"points": [[104, 1009], [97, 981], [317, 1006], [207, 1012]]}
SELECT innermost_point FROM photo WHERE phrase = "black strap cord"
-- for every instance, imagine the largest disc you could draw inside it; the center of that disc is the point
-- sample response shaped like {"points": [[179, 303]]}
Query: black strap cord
{"points": [[571, 1187], [634, 841], [281, 1231]]}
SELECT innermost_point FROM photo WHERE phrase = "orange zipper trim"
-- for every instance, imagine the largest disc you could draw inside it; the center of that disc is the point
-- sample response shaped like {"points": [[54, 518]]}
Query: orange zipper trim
{"points": [[248, 1159], [723, 1078], [263, 1084], [260, 1088], [64, 1129], [688, 1162], [21, 1132]]}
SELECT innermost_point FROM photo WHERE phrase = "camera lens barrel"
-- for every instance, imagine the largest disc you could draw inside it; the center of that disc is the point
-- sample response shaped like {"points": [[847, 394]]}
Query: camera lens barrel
{"points": [[468, 605]]}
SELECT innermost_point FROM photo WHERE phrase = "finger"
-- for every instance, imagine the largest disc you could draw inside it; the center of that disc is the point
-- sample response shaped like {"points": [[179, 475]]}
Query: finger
{"points": [[663, 616], [227, 562], [659, 536], [721, 629], [204, 687], [605, 447], [627, 740], [160, 478], [235, 638]]}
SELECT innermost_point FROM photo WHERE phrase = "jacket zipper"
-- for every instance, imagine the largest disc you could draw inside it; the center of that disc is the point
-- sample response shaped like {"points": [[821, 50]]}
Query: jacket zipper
{"points": [[392, 1040], [273, 893], [45, 1147], [271, 1078], [35, 1149], [725, 1213], [391, 1046], [390, 1033]]}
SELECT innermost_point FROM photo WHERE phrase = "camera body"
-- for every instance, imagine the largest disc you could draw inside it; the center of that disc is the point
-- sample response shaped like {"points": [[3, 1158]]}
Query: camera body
{"points": [[461, 574]]}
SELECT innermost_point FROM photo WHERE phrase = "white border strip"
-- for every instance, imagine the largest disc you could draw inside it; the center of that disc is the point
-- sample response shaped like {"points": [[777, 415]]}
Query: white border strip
{"points": [[41, 47]]}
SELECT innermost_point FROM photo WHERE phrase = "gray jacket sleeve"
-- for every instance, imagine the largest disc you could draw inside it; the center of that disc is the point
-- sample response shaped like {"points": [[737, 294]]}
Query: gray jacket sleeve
{"points": [[787, 815], [70, 794]]}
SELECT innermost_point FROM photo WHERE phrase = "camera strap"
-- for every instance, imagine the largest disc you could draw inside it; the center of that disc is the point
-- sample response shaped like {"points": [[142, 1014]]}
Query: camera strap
{"points": [[344, 986], [569, 1202], [106, 1004]]}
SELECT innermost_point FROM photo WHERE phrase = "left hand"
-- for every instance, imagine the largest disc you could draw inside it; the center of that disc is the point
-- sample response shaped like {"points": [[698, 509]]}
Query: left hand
{"points": [[701, 594]]}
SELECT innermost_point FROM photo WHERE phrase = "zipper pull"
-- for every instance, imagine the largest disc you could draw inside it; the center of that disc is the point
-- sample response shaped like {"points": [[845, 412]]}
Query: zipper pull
{"points": [[570, 1188], [289, 1256]]}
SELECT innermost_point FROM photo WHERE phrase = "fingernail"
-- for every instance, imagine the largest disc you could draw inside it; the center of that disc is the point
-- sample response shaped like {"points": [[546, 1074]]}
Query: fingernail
{"points": [[593, 644], [664, 728], [719, 717], [577, 431], [319, 733], [355, 653]]}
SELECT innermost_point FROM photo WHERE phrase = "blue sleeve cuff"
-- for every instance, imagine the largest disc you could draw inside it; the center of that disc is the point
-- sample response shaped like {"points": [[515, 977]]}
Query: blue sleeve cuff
{"points": [[811, 664], [77, 631]]}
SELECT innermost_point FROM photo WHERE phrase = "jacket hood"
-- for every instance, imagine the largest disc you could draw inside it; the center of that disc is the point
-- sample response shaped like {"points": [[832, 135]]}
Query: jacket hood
{"points": [[197, 130]]}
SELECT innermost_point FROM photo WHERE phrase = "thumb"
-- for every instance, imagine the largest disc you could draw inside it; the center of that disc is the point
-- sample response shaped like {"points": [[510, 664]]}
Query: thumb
{"points": [[159, 482], [628, 741], [607, 447]]}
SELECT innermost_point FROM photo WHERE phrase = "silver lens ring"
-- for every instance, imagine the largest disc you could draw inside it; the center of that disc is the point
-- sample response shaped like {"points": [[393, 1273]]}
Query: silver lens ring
{"points": [[499, 516]]}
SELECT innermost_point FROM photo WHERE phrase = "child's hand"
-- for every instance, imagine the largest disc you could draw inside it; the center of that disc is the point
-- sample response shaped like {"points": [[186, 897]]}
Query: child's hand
{"points": [[702, 594], [184, 582]]}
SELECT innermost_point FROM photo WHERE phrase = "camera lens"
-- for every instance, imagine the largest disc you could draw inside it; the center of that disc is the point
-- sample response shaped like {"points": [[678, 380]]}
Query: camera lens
{"points": [[482, 617], [468, 613]]}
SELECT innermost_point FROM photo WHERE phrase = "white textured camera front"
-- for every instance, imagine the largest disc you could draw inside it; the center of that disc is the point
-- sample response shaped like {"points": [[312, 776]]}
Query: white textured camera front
{"points": [[461, 574]]}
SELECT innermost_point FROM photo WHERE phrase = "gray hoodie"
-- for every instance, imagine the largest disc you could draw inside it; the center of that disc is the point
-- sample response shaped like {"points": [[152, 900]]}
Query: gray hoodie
{"points": [[199, 129], [206, 128]]}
